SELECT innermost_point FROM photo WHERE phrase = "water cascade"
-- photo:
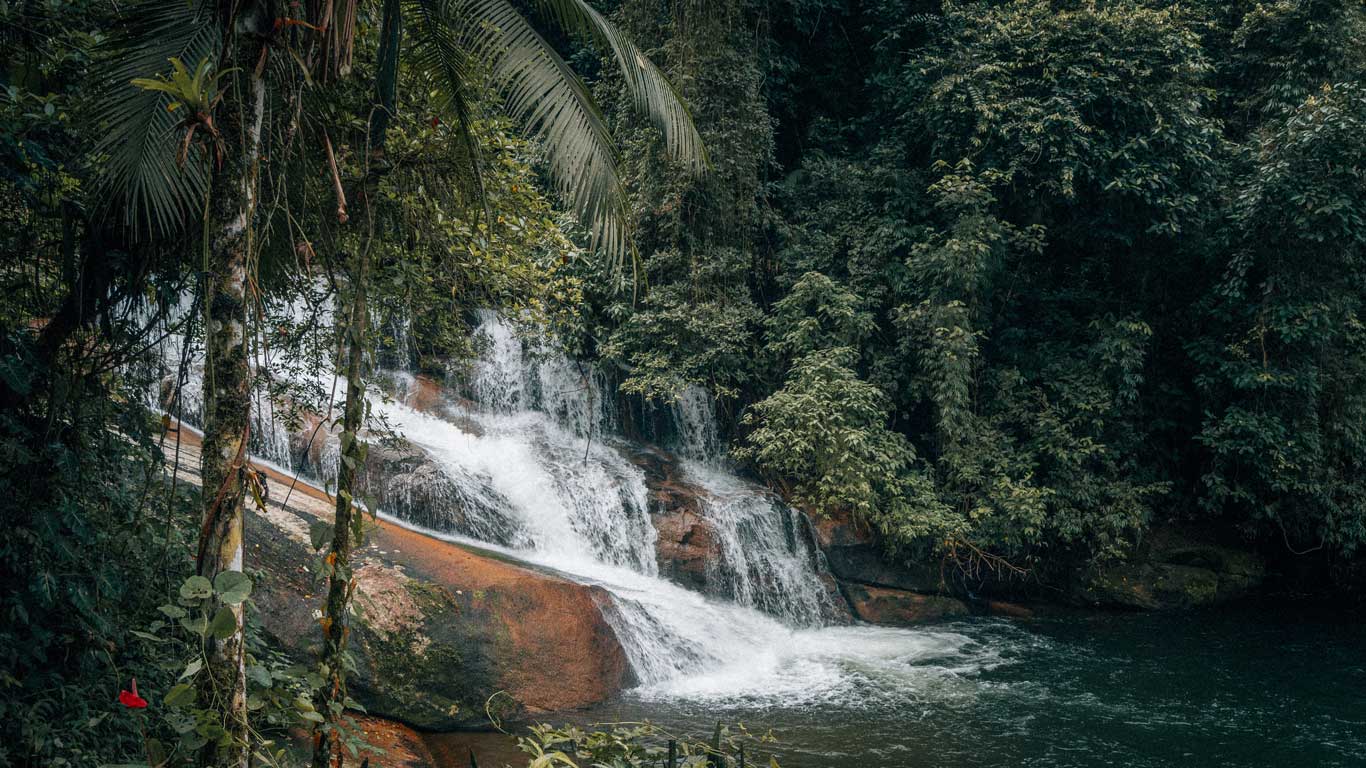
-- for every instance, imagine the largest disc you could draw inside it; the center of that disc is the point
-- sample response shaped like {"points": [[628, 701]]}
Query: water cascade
{"points": [[529, 460]]}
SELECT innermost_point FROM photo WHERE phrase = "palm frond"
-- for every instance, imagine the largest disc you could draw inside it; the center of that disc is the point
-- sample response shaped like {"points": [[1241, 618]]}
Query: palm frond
{"points": [[653, 95], [144, 184], [439, 53], [545, 95]]}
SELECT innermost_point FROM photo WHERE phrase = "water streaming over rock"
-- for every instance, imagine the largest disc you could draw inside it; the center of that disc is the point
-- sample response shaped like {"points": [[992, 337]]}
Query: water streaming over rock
{"points": [[527, 463]]}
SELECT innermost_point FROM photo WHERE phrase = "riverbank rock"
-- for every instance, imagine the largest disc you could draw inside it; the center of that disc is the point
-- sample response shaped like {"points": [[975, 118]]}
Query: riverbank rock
{"points": [[444, 635], [898, 607], [1174, 570], [853, 554]]}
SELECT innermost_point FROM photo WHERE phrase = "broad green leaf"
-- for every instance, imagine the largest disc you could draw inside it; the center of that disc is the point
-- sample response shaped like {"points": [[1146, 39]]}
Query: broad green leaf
{"points": [[196, 588], [224, 623], [320, 533], [232, 586], [198, 625], [181, 695]]}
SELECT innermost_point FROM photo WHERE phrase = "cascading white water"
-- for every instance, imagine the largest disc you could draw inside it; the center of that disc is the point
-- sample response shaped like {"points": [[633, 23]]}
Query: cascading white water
{"points": [[769, 559], [533, 474], [513, 374], [268, 437], [696, 435]]}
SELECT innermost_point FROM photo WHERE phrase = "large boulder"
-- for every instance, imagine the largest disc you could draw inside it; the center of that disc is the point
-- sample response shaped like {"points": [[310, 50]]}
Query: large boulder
{"points": [[853, 554], [899, 607], [444, 635], [1175, 569]]}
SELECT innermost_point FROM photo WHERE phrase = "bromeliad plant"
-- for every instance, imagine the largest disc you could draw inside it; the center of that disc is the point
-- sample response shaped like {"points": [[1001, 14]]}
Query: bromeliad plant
{"points": [[197, 93]]}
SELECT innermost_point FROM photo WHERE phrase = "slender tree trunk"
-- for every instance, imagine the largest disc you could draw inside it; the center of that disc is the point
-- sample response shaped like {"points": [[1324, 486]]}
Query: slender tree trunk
{"points": [[227, 377], [347, 526]]}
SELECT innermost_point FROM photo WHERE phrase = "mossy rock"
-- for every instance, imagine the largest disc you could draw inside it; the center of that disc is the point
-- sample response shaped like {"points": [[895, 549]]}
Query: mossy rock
{"points": [[1152, 586]]}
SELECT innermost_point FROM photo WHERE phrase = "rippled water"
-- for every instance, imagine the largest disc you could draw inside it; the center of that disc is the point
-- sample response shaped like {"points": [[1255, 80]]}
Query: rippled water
{"points": [[1252, 686]]}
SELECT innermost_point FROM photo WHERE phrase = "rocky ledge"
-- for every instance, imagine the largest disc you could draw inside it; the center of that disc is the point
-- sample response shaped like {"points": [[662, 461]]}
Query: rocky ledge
{"points": [[445, 636], [1174, 569]]}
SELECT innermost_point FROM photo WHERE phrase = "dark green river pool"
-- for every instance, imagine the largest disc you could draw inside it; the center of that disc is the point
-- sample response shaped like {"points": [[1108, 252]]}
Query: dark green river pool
{"points": [[1265, 685]]}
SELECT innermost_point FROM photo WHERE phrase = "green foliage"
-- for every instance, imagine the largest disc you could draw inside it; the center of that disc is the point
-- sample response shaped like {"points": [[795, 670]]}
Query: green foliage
{"points": [[692, 318], [638, 745], [1285, 372], [1282, 52], [826, 429]]}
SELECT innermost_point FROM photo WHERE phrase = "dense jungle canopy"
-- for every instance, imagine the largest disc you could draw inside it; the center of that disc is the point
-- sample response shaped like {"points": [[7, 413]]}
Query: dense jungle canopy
{"points": [[1014, 282]]}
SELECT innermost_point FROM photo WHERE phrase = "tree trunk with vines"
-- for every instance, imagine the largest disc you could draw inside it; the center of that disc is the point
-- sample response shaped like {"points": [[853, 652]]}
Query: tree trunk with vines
{"points": [[347, 525], [227, 374]]}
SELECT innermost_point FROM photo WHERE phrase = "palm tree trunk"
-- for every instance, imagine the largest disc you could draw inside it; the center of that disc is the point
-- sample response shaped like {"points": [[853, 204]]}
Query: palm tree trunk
{"points": [[227, 386]]}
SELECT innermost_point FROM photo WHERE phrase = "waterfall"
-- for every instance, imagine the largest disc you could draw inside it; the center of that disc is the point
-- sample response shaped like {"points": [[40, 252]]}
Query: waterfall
{"points": [[527, 463], [269, 434], [517, 372], [696, 435], [769, 558]]}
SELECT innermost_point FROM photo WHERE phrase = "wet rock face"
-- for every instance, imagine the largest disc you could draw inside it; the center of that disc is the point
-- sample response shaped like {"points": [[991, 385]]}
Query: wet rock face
{"points": [[899, 607], [403, 479], [686, 547], [853, 554], [442, 635], [407, 482]]}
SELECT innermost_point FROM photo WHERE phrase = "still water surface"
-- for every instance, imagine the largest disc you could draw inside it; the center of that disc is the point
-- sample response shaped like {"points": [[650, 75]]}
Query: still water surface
{"points": [[1252, 686]]}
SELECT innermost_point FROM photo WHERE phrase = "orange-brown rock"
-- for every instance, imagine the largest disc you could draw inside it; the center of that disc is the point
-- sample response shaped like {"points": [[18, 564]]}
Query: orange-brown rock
{"points": [[685, 547], [900, 608], [440, 628], [1006, 608], [402, 746]]}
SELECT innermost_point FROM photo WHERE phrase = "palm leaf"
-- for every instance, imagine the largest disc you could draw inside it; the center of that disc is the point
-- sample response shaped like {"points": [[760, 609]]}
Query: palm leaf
{"points": [[542, 92], [545, 94], [653, 95], [440, 55], [143, 184]]}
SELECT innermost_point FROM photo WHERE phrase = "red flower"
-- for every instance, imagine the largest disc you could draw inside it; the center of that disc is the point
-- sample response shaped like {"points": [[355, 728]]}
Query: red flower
{"points": [[436, 121], [131, 699]]}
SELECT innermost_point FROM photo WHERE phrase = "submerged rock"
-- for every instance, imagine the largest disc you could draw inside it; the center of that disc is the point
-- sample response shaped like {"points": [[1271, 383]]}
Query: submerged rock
{"points": [[1174, 570], [899, 607]]}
